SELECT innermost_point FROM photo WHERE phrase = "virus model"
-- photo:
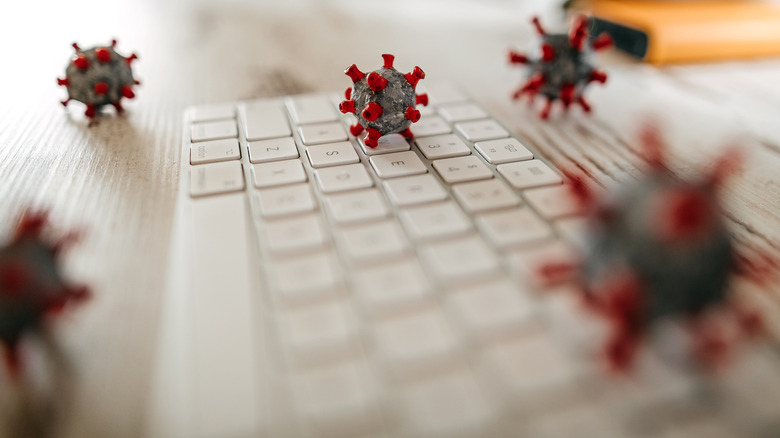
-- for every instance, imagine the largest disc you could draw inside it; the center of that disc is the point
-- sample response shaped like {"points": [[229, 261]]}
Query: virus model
{"points": [[30, 285], [99, 76], [563, 69], [660, 249], [383, 101]]}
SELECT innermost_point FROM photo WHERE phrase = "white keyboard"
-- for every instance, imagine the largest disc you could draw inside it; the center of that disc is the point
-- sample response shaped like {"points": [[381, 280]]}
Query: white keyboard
{"points": [[328, 289]]}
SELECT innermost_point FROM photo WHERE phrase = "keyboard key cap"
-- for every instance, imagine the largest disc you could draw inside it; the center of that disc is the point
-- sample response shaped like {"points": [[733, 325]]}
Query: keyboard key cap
{"points": [[278, 173], [318, 332], [414, 190], [388, 287], [311, 109], [491, 309], [462, 111], [272, 150], [372, 242], [263, 120], [442, 146], [467, 258], [286, 200], [480, 130], [430, 125], [207, 113], [295, 234], [527, 264], [462, 169], [322, 133], [435, 221], [332, 154], [504, 150], [526, 174], [397, 164], [554, 202], [341, 178], [214, 130], [484, 195], [214, 151], [213, 178], [357, 206], [322, 275], [385, 145], [515, 227]]}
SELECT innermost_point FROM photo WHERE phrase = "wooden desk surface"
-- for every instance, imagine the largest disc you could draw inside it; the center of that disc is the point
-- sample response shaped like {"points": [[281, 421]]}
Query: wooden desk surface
{"points": [[117, 179]]}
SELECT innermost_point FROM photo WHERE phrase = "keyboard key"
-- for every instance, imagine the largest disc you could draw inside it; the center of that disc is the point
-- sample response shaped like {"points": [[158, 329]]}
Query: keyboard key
{"points": [[484, 195], [311, 109], [319, 331], [397, 164], [213, 178], [527, 174], [442, 146], [462, 111], [263, 120], [515, 227], [414, 190], [462, 169], [480, 130], [213, 130], [503, 151], [332, 154], [388, 287], [322, 133], [287, 200], [369, 243], [295, 234], [341, 178], [491, 309], [385, 145], [357, 206], [527, 264], [553, 202], [278, 173], [430, 125], [305, 277], [214, 151], [467, 258], [435, 221], [207, 113], [272, 150]]}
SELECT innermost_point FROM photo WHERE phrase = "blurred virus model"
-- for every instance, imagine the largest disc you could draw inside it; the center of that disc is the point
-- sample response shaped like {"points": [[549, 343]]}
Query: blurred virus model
{"points": [[383, 101], [563, 68], [30, 285], [99, 76], [659, 249]]}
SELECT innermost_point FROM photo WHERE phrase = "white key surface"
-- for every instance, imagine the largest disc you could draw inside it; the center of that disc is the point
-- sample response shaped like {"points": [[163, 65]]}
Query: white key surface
{"points": [[357, 206], [505, 150], [295, 234], [397, 164], [264, 120], [442, 146], [491, 308], [332, 154], [278, 173], [342, 178], [214, 151], [207, 113], [462, 169], [466, 258], [430, 125], [435, 221], [554, 202], [314, 331], [322, 133], [462, 111], [272, 150], [306, 276], [371, 242], [385, 287], [526, 174], [385, 145], [213, 130], [214, 178], [280, 201], [311, 109], [480, 130], [412, 190], [513, 227], [484, 195]]}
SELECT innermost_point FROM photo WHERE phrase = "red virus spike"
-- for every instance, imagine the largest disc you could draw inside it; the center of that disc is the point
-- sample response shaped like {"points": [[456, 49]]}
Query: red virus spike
{"points": [[578, 33], [583, 104], [102, 54], [517, 58], [76, 47], [414, 76], [407, 133], [388, 59], [580, 189], [597, 76], [623, 299], [65, 102], [684, 214], [412, 114], [137, 82], [91, 111], [31, 225], [538, 26], [372, 137], [113, 43], [347, 106], [131, 58], [603, 41], [710, 344], [421, 99], [750, 322], [101, 88], [354, 73], [533, 85], [653, 147], [548, 53], [13, 278], [372, 111], [567, 95], [376, 82], [64, 82], [356, 129], [81, 62], [553, 272], [620, 352], [127, 91], [760, 268], [726, 165], [118, 106], [545, 113], [348, 93]]}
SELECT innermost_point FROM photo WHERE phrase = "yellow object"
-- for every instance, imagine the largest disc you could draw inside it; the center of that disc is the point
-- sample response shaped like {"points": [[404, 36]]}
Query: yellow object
{"points": [[696, 30]]}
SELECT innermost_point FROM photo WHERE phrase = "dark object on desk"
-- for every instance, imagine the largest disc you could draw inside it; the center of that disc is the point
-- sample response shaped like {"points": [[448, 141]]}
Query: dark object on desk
{"points": [[99, 76], [31, 287], [657, 250], [663, 32], [384, 101], [564, 68]]}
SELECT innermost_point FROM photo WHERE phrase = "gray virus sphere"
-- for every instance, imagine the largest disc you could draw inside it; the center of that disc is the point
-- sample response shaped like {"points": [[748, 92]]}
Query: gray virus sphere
{"points": [[563, 68], [383, 101], [99, 76]]}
